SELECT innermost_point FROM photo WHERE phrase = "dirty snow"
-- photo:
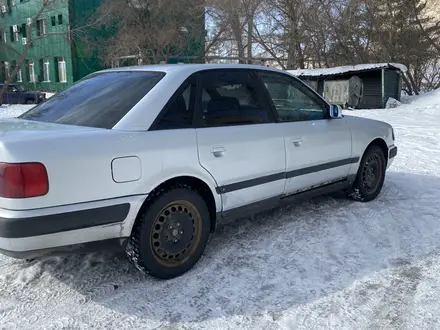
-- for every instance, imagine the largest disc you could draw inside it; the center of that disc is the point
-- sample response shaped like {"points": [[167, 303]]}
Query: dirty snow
{"points": [[345, 69], [329, 263]]}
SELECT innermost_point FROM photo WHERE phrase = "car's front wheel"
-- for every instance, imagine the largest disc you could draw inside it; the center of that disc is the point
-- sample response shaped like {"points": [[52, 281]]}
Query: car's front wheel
{"points": [[370, 177], [170, 236]]}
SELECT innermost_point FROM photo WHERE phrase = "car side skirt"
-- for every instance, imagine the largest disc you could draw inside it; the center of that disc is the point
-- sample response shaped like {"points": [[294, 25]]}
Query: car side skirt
{"points": [[277, 201]]}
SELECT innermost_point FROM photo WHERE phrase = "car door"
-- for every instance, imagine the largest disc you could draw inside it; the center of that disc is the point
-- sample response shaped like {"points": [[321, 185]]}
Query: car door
{"points": [[14, 95], [239, 143], [318, 149]]}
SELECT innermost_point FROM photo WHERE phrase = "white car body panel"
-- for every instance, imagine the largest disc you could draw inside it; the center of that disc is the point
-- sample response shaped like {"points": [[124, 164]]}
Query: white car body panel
{"points": [[247, 153], [365, 131], [91, 168], [311, 145]]}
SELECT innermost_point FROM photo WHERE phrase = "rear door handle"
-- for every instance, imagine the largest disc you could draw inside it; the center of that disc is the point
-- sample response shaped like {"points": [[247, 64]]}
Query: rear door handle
{"points": [[218, 152]]}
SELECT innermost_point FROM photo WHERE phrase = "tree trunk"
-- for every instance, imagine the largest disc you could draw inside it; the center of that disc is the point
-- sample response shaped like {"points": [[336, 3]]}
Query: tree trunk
{"points": [[414, 86], [250, 38], [237, 31]]}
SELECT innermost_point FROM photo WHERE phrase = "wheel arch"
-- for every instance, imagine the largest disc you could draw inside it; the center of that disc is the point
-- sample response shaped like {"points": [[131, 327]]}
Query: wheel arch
{"points": [[198, 184], [381, 143]]}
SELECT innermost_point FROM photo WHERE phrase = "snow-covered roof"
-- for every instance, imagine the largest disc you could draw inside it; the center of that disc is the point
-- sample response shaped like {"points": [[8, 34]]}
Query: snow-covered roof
{"points": [[346, 69]]}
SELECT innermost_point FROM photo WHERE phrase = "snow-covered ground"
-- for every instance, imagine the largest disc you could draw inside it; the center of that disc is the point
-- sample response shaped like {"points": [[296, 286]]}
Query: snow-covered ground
{"points": [[329, 263]]}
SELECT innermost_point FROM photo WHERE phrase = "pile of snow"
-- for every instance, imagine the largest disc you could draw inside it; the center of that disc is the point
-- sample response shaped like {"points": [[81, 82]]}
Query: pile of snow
{"points": [[328, 263], [393, 103]]}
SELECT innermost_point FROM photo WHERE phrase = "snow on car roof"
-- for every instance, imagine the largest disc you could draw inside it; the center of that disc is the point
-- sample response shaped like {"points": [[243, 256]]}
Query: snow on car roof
{"points": [[345, 69]]}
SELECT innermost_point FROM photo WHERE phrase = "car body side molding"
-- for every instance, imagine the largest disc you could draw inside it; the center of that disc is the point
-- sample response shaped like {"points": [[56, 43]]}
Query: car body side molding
{"points": [[283, 175], [56, 223]]}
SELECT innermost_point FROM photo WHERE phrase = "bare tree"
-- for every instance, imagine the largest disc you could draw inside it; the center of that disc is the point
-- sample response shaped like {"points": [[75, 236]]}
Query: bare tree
{"points": [[151, 30]]}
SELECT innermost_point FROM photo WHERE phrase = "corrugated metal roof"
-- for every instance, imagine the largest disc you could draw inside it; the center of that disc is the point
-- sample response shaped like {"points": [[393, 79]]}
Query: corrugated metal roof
{"points": [[346, 69]]}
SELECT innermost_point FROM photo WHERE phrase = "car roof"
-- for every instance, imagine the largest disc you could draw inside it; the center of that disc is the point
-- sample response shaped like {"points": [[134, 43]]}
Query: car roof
{"points": [[191, 68]]}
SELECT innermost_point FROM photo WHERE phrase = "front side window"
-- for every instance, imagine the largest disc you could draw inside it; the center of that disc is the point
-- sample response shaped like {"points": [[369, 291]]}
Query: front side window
{"points": [[100, 100], [232, 98], [293, 101], [12, 88]]}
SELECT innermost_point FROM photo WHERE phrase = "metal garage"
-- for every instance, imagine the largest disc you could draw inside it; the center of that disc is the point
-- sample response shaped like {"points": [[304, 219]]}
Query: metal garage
{"points": [[363, 86]]}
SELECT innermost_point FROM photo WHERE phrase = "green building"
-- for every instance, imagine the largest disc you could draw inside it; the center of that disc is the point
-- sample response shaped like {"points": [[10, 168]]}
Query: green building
{"points": [[60, 52]]}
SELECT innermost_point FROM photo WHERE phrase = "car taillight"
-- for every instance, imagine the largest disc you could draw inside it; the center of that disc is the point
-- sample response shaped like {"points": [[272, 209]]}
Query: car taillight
{"points": [[23, 180]]}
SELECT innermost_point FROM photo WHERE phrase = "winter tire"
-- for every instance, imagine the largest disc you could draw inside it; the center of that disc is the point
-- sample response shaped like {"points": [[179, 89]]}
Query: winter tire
{"points": [[171, 234], [370, 177]]}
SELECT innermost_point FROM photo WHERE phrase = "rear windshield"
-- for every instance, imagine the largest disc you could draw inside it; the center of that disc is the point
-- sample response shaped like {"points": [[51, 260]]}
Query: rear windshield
{"points": [[100, 100]]}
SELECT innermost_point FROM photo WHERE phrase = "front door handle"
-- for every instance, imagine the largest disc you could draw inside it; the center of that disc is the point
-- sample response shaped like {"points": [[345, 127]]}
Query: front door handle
{"points": [[218, 152], [297, 142]]}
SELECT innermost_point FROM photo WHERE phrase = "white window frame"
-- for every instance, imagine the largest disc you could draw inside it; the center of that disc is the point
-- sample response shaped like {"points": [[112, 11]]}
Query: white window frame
{"points": [[32, 77], [62, 70], [42, 26], [19, 76], [7, 70], [16, 36], [46, 71]]}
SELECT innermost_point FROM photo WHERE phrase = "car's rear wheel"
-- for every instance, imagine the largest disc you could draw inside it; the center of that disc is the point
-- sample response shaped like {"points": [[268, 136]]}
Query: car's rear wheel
{"points": [[370, 177], [170, 236]]}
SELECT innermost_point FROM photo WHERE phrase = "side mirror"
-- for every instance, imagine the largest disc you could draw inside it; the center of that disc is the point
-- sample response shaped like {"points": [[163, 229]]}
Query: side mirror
{"points": [[335, 111]]}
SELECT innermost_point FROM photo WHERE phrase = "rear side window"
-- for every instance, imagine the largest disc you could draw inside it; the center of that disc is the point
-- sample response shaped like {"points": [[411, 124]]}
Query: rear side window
{"points": [[100, 100]]}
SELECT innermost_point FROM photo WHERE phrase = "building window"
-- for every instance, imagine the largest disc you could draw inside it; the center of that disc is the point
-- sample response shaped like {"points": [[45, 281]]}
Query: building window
{"points": [[41, 27], [62, 70], [46, 70], [60, 19], [53, 20], [32, 77], [19, 75], [7, 70], [24, 30], [11, 32]]}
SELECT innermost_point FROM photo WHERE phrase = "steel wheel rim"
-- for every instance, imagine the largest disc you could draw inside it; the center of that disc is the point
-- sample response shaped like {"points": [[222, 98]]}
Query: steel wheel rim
{"points": [[372, 174], [175, 233]]}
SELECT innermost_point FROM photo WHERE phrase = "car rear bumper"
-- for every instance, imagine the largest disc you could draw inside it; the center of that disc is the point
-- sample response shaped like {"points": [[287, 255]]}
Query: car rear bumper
{"points": [[30, 233]]}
